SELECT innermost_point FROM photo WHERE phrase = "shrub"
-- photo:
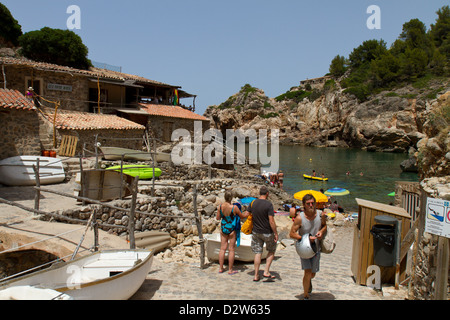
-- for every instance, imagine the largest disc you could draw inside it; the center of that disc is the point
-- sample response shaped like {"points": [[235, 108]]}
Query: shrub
{"points": [[62, 47]]}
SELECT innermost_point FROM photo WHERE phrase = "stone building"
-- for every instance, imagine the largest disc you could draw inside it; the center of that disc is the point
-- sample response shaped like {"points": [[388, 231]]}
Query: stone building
{"points": [[87, 103]]}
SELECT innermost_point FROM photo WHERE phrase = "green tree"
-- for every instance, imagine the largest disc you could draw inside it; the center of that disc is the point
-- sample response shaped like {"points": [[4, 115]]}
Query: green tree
{"points": [[414, 63], [385, 69], [369, 50], [440, 31], [10, 29], [63, 47], [338, 66]]}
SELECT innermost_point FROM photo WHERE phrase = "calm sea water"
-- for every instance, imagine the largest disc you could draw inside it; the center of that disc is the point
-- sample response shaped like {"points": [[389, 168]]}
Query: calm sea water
{"points": [[380, 171]]}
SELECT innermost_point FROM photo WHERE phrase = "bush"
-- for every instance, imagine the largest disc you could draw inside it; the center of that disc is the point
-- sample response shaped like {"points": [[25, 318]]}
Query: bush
{"points": [[62, 47]]}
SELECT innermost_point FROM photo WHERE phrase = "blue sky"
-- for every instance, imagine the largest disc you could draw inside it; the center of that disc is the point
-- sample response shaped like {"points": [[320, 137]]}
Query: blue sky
{"points": [[212, 48]]}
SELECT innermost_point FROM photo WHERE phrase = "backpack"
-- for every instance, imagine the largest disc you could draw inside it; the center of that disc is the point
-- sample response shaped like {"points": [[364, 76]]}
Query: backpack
{"points": [[247, 227]]}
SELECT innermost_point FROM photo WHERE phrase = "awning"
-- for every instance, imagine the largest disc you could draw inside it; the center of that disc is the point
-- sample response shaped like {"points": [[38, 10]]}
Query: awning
{"points": [[133, 111], [126, 83]]}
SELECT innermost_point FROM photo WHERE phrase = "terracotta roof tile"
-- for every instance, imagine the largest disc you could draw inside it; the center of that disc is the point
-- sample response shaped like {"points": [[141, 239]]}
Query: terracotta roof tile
{"points": [[92, 72], [171, 112], [15, 99], [89, 121]]}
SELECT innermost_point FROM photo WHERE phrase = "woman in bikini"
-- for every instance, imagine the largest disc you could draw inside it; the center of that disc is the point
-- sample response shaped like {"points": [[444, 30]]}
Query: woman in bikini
{"points": [[228, 214]]}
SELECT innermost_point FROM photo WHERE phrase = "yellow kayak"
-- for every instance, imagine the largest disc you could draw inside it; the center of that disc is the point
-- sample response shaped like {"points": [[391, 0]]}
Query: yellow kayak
{"points": [[314, 178]]}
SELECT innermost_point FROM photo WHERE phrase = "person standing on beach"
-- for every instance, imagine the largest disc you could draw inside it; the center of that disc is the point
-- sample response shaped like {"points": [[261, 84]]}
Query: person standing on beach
{"points": [[229, 226], [313, 223], [264, 231]]}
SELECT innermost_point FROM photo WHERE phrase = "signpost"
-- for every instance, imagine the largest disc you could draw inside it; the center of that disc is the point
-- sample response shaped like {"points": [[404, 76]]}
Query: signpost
{"points": [[437, 221]]}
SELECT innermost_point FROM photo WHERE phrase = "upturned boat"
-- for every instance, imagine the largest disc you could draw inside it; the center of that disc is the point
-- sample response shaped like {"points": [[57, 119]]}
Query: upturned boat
{"points": [[18, 171]]}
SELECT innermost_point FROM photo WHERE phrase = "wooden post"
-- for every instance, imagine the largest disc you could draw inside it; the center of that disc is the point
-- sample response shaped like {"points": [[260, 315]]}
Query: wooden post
{"points": [[442, 269], [132, 212], [37, 195], [198, 220], [95, 225], [153, 160], [121, 175], [398, 240]]}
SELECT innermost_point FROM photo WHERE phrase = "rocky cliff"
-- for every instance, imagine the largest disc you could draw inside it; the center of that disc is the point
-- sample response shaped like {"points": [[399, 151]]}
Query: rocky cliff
{"points": [[320, 113]]}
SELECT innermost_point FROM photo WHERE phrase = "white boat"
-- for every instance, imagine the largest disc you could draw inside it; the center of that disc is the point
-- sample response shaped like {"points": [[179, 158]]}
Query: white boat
{"points": [[242, 253], [32, 293], [115, 153], [18, 171], [103, 275]]}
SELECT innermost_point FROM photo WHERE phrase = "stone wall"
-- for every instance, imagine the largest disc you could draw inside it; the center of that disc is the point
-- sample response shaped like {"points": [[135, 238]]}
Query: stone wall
{"points": [[19, 132], [75, 100], [131, 139], [158, 124]]}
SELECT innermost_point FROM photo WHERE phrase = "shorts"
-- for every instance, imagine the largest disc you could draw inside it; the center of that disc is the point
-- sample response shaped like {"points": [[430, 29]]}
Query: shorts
{"points": [[312, 263], [258, 240]]}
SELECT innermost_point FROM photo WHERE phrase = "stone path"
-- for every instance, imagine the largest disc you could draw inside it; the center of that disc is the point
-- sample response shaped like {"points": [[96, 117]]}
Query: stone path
{"points": [[174, 281]]}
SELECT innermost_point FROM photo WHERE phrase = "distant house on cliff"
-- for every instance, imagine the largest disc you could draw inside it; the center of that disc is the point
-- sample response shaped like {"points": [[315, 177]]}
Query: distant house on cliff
{"points": [[315, 83], [95, 101]]}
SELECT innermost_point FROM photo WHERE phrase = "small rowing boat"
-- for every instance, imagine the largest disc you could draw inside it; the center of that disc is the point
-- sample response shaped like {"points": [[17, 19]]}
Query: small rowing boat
{"points": [[116, 153], [314, 178], [18, 171], [103, 275], [242, 253]]}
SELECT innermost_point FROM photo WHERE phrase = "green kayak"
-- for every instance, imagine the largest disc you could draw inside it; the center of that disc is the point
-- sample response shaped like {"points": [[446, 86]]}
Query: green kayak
{"points": [[144, 172]]}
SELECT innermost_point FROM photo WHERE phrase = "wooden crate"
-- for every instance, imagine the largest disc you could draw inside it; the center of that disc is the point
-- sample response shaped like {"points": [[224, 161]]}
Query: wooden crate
{"points": [[363, 255], [68, 146]]}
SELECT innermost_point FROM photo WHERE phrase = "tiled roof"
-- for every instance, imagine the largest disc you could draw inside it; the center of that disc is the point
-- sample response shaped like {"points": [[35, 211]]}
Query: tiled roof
{"points": [[171, 112], [89, 121], [15, 99], [92, 72]]}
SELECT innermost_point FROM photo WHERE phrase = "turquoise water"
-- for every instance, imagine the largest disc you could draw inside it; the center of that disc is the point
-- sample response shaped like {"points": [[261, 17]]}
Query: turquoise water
{"points": [[380, 172]]}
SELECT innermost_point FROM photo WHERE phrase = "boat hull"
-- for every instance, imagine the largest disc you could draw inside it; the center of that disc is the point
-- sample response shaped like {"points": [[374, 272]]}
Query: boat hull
{"points": [[18, 171], [314, 178], [144, 172], [104, 275], [115, 153], [242, 253]]}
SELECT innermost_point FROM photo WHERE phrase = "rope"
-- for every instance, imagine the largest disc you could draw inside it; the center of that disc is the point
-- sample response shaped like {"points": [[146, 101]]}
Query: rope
{"points": [[31, 243]]}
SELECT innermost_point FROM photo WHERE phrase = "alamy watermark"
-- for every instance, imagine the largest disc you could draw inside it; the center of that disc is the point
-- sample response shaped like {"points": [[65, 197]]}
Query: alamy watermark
{"points": [[189, 150], [374, 21], [74, 20]]}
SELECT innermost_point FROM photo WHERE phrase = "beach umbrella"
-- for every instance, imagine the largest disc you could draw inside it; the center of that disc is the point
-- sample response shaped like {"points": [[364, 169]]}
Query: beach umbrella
{"points": [[319, 196], [337, 192], [247, 200]]}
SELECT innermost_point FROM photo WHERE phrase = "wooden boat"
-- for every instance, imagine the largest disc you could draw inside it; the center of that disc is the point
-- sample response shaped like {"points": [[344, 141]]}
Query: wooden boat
{"points": [[103, 275], [314, 178], [144, 172], [162, 157], [102, 185], [18, 171], [115, 153], [242, 253], [152, 240]]}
